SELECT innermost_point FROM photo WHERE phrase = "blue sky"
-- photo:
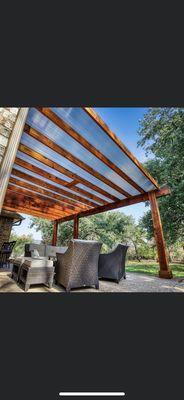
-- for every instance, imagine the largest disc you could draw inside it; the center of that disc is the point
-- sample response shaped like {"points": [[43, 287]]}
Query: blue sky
{"points": [[124, 122]]}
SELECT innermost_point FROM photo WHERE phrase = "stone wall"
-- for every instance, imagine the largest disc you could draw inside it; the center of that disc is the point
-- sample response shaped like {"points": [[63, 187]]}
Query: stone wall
{"points": [[5, 229], [7, 119]]}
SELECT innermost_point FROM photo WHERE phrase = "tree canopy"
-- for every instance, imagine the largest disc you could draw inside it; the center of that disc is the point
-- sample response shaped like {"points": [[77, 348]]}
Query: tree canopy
{"points": [[162, 136], [110, 228]]}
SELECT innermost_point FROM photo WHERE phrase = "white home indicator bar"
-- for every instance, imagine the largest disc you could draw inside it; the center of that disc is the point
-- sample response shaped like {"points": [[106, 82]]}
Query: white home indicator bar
{"points": [[92, 394]]}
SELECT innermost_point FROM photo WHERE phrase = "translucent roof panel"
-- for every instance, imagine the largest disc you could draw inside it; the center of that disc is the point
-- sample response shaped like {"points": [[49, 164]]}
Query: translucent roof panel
{"points": [[42, 166], [79, 120], [81, 186], [57, 135], [57, 158]]}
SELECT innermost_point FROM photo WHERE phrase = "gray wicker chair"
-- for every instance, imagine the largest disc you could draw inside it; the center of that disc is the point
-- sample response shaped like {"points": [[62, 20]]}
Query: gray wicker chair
{"points": [[112, 265], [78, 266]]}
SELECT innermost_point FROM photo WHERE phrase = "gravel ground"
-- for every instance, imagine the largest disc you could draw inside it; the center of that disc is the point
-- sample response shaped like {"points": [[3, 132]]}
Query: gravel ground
{"points": [[134, 283]]}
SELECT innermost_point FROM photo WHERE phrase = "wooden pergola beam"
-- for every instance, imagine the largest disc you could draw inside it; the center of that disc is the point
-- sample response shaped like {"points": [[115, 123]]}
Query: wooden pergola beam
{"points": [[44, 160], [55, 230], [47, 112], [116, 140], [76, 227], [121, 203], [66, 154], [165, 271], [71, 185]]}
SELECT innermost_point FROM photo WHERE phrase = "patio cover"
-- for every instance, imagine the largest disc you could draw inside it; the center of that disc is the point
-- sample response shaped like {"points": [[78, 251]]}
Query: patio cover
{"points": [[70, 163]]}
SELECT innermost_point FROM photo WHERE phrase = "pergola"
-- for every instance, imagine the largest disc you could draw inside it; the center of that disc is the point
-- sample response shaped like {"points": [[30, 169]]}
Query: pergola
{"points": [[65, 163]]}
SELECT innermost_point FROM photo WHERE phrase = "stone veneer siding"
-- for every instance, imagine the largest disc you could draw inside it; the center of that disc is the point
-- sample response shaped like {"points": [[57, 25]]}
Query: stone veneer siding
{"points": [[7, 119], [5, 229]]}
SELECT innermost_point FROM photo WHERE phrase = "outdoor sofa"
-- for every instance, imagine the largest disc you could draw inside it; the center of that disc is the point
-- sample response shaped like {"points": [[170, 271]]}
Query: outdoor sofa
{"points": [[112, 265]]}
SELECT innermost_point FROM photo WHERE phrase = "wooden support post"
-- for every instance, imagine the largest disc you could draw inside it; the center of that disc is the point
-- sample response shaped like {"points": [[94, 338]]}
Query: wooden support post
{"points": [[76, 227], [11, 151], [54, 237], [165, 271]]}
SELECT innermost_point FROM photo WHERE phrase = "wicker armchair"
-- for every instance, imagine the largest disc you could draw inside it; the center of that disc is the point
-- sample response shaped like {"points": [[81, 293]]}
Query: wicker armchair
{"points": [[112, 265], [78, 266]]}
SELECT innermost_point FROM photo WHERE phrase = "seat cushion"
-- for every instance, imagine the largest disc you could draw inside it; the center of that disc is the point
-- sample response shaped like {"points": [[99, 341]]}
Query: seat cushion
{"points": [[38, 262], [52, 250]]}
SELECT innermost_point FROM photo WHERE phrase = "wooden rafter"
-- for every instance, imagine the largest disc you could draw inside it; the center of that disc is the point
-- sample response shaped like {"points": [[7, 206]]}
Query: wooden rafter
{"points": [[55, 179], [17, 199], [44, 160], [25, 210], [116, 140], [66, 154], [73, 199], [37, 189], [35, 195], [47, 112]]}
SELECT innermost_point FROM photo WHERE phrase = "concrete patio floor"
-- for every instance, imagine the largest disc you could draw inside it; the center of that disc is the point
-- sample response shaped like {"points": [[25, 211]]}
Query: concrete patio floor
{"points": [[134, 283]]}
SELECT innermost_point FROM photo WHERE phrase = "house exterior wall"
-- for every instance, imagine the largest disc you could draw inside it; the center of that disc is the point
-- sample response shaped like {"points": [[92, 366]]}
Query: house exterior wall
{"points": [[5, 229], [7, 119]]}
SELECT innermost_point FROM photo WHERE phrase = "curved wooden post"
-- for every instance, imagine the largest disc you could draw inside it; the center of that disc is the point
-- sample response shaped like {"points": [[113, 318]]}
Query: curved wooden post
{"points": [[76, 227], [55, 230], [165, 271]]}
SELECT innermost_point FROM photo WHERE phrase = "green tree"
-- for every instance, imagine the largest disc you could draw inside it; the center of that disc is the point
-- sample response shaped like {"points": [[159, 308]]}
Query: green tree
{"points": [[162, 136], [110, 228], [20, 243]]}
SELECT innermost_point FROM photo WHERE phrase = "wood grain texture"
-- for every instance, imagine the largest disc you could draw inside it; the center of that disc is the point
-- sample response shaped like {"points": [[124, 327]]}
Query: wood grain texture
{"points": [[55, 230], [28, 206], [165, 272], [24, 197], [50, 201], [76, 227]]}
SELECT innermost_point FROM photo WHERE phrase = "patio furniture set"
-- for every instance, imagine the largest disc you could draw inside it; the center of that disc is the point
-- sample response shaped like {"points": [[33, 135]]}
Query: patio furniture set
{"points": [[78, 265]]}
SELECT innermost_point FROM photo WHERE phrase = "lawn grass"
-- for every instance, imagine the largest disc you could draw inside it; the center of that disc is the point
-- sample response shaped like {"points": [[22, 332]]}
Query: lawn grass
{"points": [[151, 268]]}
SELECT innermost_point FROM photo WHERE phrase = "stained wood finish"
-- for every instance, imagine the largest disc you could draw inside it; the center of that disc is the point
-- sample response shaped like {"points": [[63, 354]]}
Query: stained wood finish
{"points": [[76, 227], [28, 212], [47, 185], [55, 230], [19, 201], [165, 271], [121, 203], [40, 204], [47, 112], [50, 202], [55, 179], [116, 140], [38, 189], [37, 156], [64, 153]]}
